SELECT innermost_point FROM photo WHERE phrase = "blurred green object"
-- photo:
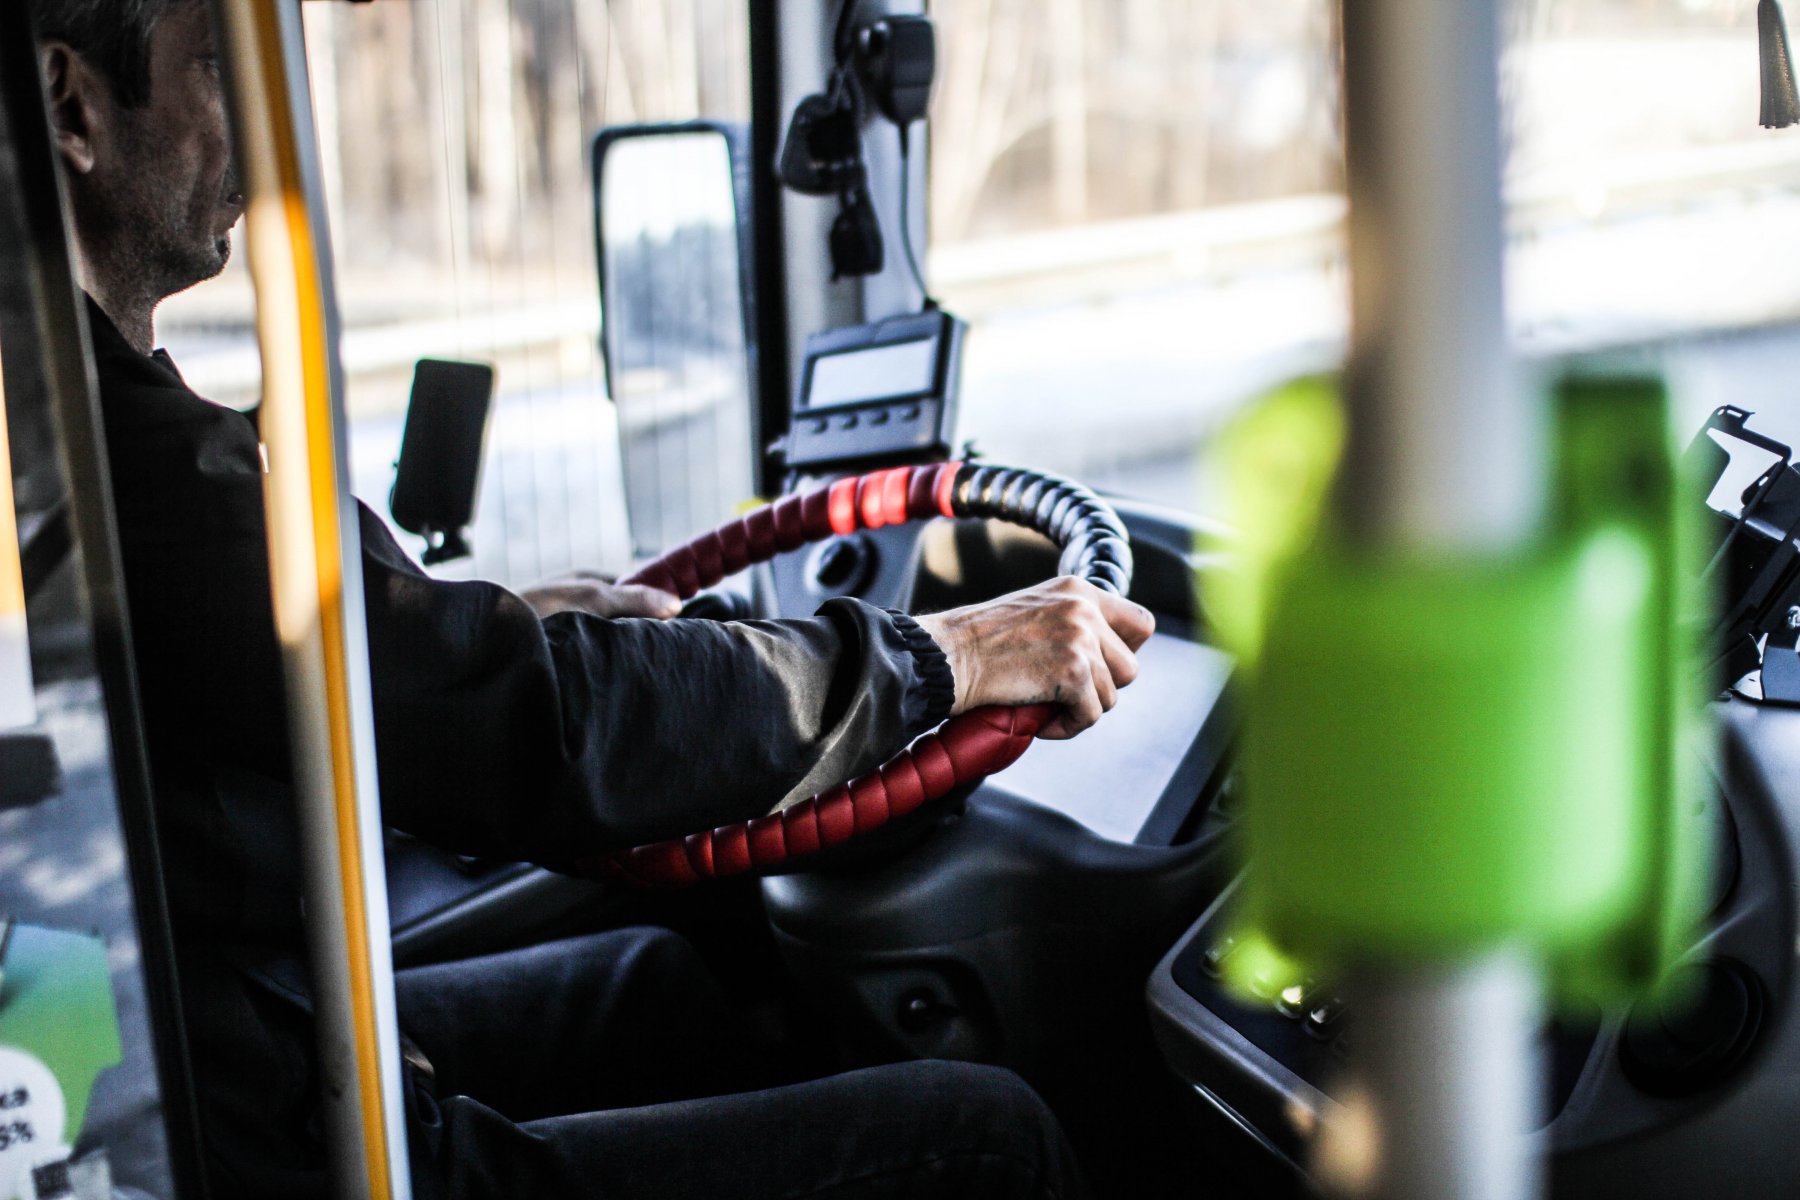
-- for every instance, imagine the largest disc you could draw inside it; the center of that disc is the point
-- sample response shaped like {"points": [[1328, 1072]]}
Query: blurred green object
{"points": [[56, 1003], [1277, 460], [1447, 755]]}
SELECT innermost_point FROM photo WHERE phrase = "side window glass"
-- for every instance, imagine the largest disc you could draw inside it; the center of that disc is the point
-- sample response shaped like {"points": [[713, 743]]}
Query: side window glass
{"points": [[84, 958], [455, 139]]}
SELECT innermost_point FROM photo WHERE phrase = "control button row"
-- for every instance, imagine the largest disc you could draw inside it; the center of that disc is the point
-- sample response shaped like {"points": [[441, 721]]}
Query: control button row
{"points": [[1317, 1007], [881, 416]]}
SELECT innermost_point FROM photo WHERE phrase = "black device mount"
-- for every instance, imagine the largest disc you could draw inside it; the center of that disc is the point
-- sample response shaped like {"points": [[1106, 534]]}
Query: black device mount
{"points": [[889, 64], [1754, 558], [439, 467]]}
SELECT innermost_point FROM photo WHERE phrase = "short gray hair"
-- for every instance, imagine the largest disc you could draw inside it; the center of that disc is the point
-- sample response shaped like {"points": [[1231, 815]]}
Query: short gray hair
{"points": [[113, 35]]}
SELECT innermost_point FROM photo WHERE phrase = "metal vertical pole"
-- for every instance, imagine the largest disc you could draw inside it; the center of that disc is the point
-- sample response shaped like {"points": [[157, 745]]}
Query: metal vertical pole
{"points": [[1443, 454], [18, 699], [315, 569], [1444, 1083], [1444, 457]]}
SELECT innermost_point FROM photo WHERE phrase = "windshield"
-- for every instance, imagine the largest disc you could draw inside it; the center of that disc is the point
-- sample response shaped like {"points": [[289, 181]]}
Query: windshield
{"points": [[1136, 203]]}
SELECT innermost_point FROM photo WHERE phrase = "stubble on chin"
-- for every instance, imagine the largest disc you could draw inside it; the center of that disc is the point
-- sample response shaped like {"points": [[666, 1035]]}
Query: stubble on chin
{"points": [[155, 239]]}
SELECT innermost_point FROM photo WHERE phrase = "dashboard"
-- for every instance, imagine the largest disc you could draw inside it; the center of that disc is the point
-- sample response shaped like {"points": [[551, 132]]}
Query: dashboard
{"points": [[1678, 1096]]}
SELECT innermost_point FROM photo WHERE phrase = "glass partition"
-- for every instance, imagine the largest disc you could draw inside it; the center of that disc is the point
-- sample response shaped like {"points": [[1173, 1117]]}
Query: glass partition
{"points": [[92, 1059]]}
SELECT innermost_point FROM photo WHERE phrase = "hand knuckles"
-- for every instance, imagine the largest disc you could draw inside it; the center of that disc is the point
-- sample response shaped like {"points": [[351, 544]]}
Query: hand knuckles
{"points": [[1076, 613]]}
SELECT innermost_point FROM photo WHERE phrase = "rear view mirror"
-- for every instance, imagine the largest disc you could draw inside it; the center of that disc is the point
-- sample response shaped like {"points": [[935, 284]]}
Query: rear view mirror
{"points": [[440, 455], [673, 249]]}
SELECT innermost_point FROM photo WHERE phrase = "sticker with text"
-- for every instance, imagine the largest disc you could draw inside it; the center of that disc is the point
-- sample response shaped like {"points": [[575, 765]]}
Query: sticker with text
{"points": [[33, 1158]]}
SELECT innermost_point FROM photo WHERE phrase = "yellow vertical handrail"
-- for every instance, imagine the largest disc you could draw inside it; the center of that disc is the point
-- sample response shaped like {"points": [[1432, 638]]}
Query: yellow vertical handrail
{"points": [[18, 705], [315, 568]]}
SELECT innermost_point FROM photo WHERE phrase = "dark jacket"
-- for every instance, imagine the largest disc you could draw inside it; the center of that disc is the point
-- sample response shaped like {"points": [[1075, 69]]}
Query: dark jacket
{"points": [[497, 734]]}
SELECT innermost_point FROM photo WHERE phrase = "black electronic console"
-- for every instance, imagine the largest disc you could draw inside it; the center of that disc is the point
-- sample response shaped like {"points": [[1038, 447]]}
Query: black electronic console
{"points": [[885, 391], [1752, 527], [1678, 1094]]}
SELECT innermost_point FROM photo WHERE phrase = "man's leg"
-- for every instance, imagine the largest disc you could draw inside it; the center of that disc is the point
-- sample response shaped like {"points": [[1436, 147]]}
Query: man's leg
{"points": [[629, 1019], [609, 1020], [911, 1131]]}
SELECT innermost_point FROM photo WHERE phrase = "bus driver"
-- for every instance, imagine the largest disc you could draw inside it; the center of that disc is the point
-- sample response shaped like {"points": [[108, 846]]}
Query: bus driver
{"points": [[532, 727]]}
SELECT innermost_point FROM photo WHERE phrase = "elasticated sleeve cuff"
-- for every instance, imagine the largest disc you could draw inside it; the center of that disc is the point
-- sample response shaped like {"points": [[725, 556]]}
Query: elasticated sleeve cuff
{"points": [[937, 684]]}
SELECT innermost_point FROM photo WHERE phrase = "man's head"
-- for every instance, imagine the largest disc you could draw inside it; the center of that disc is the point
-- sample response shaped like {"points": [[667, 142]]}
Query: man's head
{"points": [[139, 110]]}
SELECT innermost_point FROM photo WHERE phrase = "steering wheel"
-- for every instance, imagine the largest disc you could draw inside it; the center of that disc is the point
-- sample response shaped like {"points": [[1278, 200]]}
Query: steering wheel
{"points": [[964, 749]]}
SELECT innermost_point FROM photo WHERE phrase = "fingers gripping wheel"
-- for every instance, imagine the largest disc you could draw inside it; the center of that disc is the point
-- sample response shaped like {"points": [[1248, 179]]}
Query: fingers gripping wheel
{"points": [[959, 752]]}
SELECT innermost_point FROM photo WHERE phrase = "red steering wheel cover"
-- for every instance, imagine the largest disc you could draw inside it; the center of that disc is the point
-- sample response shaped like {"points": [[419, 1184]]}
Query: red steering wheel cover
{"points": [[961, 751], [890, 497]]}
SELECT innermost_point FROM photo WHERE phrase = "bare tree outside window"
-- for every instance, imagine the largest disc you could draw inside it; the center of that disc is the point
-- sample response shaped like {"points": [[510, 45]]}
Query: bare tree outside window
{"points": [[1138, 204]]}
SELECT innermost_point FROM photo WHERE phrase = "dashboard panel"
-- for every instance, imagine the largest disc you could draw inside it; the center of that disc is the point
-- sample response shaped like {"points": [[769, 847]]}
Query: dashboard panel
{"points": [[1635, 1097], [1134, 776]]}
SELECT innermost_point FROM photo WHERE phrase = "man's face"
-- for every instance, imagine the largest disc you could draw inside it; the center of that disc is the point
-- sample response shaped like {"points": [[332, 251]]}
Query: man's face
{"points": [[164, 189]]}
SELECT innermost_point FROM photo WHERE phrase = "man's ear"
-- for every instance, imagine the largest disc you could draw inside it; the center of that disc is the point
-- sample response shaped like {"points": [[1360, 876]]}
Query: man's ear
{"points": [[75, 94]]}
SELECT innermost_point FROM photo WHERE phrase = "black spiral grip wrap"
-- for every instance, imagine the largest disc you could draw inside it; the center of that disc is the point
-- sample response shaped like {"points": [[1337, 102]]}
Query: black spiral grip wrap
{"points": [[961, 751]]}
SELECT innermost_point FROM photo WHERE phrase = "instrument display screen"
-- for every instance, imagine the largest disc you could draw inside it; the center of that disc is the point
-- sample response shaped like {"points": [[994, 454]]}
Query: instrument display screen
{"points": [[876, 373]]}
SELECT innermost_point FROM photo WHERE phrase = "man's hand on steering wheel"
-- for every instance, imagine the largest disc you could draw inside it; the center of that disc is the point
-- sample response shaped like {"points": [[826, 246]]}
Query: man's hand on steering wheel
{"points": [[596, 594], [1064, 642]]}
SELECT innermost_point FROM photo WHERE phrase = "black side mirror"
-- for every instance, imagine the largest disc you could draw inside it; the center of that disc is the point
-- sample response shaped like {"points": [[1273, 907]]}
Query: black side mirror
{"points": [[440, 455]]}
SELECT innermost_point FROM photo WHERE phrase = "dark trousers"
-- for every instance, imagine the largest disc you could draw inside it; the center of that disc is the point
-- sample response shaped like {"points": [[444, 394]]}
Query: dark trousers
{"points": [[610, 1066]]}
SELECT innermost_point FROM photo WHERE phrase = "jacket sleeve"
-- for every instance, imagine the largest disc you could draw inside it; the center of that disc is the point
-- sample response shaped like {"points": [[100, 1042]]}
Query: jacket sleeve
{"points": [[501, 734]]}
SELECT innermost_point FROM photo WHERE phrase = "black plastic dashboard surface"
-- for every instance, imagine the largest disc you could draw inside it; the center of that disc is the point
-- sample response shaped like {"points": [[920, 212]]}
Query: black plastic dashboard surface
{"points": [[1642, 1100], [1290, 1030], [1136, 776]]}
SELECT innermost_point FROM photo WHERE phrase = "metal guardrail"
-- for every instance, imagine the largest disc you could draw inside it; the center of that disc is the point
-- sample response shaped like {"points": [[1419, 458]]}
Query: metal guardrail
{"points": [[1089, 262], [1066, 265]]}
